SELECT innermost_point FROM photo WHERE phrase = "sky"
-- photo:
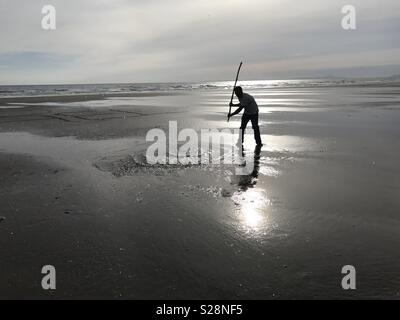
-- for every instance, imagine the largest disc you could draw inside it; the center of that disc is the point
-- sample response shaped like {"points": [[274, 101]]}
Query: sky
{"points": [[104, 41]]}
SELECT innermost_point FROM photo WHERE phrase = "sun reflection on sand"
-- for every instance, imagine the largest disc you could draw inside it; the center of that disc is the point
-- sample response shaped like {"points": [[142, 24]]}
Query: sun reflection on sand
{"points": [[251, 202], [252, 206]]}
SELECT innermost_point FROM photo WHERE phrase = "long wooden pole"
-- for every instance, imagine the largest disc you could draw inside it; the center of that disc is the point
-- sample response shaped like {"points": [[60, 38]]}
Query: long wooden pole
{"points": [[233, 90]]}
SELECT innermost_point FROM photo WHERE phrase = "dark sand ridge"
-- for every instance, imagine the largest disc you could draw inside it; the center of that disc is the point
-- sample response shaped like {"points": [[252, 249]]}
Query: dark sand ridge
{"points": [[327, 195], [79, 97], [53, 119]]}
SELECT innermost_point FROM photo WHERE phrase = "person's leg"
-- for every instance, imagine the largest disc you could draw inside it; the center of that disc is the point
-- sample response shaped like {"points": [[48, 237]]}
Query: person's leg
{"points": [[245, 121], [256, 129]]}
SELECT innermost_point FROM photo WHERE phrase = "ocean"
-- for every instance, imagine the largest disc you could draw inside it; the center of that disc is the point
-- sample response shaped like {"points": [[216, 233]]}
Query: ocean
{"points": [[121, 88]]}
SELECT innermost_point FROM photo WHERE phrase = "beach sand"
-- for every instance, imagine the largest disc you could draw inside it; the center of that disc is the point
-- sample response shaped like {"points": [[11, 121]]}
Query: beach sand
{"points": [[327, 195]]}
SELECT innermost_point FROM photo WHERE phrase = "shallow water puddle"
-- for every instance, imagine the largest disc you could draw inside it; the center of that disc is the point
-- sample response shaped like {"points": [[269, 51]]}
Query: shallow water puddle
{"points": [[65, 150]]}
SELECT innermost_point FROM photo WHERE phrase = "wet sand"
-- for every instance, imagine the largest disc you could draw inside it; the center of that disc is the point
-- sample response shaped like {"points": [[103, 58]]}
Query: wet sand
{"points": [[326, 194]]}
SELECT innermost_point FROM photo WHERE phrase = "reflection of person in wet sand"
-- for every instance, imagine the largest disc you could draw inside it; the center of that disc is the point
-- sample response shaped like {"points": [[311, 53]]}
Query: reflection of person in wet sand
{"points": [[249, 104], [250, 180]]}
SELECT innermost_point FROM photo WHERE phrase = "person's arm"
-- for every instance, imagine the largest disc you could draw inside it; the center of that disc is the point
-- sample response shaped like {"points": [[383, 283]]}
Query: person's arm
{"points": [[236, 111]]}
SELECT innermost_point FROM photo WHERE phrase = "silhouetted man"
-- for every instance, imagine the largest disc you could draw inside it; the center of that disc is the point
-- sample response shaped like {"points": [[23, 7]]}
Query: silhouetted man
{"points": [[249, 104]]}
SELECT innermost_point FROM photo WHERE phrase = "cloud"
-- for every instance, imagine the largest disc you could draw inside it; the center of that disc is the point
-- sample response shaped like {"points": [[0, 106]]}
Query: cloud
{"points": [[180, 40]]}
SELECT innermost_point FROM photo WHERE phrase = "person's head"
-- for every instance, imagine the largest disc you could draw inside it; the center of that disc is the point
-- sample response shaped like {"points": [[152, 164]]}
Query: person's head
{"points": [[239, 92]]}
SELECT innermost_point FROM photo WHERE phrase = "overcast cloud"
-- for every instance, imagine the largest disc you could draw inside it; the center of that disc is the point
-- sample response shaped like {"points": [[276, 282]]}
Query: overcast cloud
{"points": [[100, 41]]}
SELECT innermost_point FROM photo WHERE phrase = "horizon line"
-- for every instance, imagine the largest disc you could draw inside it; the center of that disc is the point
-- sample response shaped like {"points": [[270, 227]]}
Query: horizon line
{"points": [[203, 81]]}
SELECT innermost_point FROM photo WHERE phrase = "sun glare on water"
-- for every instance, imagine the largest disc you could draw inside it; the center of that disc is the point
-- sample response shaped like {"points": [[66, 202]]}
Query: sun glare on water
{"points": [[252, 206]]}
